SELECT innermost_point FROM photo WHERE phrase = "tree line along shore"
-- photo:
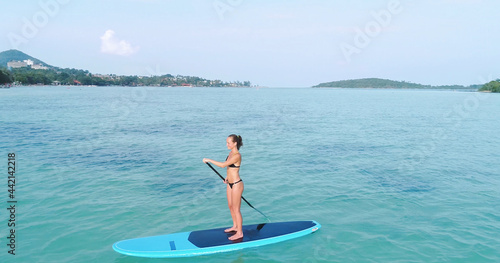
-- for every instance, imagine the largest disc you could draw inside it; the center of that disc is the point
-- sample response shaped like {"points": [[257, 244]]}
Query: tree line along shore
{"points": [[22, 69], [28, 76]]}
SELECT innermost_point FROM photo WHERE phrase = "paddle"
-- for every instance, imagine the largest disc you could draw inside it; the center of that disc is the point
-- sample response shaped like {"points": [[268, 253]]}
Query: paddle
{"points": [[241, 196]]}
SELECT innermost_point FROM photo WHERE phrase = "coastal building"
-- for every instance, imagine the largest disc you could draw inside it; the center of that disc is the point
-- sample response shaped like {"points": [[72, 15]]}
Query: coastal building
{"points": [[25, 63], [38, 66], [102, 76], [17, 64]]}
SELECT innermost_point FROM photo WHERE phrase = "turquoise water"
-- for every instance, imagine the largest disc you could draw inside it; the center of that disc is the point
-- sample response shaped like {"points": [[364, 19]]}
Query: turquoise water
{"points": [[392, 175]]}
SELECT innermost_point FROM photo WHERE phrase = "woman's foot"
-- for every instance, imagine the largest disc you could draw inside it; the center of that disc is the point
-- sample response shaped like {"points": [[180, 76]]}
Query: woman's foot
{"points": [[236, 236], [231, 229]]}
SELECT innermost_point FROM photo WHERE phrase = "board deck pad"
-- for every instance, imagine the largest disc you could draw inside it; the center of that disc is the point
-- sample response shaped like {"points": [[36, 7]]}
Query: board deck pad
{"points": [[211, 241]]}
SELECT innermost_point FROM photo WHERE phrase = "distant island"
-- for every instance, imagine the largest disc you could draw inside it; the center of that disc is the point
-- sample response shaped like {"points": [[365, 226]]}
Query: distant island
{"points": [[21, 69], [375, 83], [492, 86]]}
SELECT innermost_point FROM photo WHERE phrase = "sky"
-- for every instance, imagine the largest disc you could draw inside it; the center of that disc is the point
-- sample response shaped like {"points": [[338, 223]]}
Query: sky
{"points": [[274, 43]]}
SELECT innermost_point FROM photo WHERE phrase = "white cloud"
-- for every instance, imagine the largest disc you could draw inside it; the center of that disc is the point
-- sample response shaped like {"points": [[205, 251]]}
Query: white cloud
{"points": [[111, 45]]}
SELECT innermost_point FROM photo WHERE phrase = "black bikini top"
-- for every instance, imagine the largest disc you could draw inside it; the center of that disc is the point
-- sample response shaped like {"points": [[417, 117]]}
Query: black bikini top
{"points": [[232, 165]]}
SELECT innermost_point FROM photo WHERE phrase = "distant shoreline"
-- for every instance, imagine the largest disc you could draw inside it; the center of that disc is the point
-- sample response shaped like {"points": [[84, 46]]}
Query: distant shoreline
{"points": [[22, 72], [384, 88], [376, 83], [251, 87], [131, 86]]}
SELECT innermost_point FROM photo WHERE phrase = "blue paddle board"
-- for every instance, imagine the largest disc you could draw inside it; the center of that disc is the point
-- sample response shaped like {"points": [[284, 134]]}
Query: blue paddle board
{"points": [[204, 242]]}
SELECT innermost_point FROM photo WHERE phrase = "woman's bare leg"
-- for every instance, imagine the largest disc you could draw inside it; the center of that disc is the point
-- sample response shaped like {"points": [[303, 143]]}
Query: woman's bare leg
{"points": [[236, 193], [230, 205]]}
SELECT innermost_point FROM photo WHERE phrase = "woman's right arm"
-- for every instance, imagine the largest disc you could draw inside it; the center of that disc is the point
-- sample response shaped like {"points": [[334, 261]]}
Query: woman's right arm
{"points": [[228, 162], [206, 160]]}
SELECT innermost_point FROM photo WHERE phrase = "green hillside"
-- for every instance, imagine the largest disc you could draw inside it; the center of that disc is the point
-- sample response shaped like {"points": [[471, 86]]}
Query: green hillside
{"points": [[16, 55], [67, 76]]}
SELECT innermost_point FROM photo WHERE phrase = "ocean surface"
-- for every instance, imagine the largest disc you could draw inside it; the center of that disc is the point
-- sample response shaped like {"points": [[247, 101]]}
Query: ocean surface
{"points": [[391, 175]]}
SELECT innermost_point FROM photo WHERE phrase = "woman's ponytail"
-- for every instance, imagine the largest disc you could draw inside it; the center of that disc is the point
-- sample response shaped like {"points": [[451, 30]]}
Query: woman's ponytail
{"points": [[237, 139]]}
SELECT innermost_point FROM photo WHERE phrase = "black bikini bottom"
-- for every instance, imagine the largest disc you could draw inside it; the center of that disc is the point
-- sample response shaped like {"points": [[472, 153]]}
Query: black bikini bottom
{"points": [[231, 184]]}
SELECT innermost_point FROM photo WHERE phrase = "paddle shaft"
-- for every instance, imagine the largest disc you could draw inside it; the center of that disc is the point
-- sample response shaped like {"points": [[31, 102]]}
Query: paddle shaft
{"points": [[221, 177]]}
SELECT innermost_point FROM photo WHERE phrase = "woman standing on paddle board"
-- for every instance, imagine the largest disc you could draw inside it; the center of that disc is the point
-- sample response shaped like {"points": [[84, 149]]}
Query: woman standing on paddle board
{"points": [[234, 188]]}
